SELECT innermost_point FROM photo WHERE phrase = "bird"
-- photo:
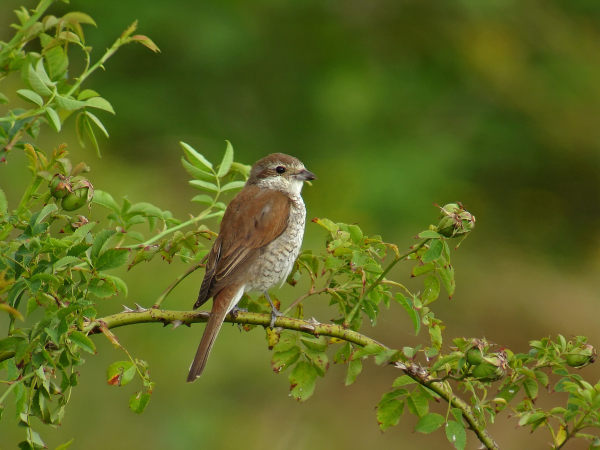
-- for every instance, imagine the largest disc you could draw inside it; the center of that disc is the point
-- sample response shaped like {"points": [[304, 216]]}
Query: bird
{"points": [[258, 242]]}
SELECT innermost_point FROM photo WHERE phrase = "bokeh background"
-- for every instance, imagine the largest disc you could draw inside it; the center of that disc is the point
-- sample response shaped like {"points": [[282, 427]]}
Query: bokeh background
{"points": [[394, 105]]}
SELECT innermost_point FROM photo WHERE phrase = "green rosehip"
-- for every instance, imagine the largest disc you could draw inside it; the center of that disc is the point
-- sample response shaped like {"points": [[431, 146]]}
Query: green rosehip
{"points": [[492, 368], [60, 186], [580, 357], [474, 356], [83, 192]]}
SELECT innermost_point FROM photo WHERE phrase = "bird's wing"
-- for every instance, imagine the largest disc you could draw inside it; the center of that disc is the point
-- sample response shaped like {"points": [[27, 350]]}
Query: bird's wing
{"points": [[253, 219]]}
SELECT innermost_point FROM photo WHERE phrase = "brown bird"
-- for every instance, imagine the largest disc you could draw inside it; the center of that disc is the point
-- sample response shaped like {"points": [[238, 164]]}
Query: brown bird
{"points": [[259, 240]]}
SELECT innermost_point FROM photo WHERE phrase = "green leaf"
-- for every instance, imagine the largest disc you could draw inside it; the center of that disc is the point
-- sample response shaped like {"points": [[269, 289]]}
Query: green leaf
{"points": [[37, 84], [80, 128], [403, 381], [227, 160], [97, 122], [388, 414], [120, 373], [79, 17], [195, 172], [30, 96], [66, 261], [283, 359], [435, 251], [447, 276], [102, 288], [531, 388], [432, 289], [412, 312], [53, 119], [39, 69], [443, 361], [51, 207], [77, 337], [139, 401], [417, 404], [87, 93], [68, 103], [455, 432], [99, 103], [233, 185], [429, 422], [3, 203], [319, 344], [355, 233], [354, 368], [204, 185], [90, 132], [320, 361], [422, 269], [429, 234], [105, 199], [100, 240], [303, 379], [196, 158], [65, 446], [370, 349], [203, 199], [112, 258]]}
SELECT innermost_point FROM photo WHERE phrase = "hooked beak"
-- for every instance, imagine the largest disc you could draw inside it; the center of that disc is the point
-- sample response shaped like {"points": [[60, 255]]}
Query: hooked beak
{"points": [[305, 175]]}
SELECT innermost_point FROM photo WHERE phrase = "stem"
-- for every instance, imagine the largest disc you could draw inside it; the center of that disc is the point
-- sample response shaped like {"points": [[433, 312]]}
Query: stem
{"points": [[16, 40], [12, 386], [174, 284]]}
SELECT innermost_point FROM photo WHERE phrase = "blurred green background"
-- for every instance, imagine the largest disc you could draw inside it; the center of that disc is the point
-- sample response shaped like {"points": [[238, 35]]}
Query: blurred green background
{"points": [[394, 105]]}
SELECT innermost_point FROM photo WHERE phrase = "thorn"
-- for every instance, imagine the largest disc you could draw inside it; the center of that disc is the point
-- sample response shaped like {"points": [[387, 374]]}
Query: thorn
{"points": [[313, 321], [176, 323], [127, 310], [140, 308]]}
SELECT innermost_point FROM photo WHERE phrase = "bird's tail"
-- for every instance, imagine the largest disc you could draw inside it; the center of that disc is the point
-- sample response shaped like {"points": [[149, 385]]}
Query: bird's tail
{"points": [[208, 339]]}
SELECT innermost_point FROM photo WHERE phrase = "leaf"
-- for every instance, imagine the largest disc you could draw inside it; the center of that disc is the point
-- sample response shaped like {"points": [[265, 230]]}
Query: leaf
{"points": [[39, 69], [429, 422], [417, 404], [432, 289], [204, 185], [100, 240], [97, 122], [233, 185], [90, 132], [53, 119], [139, 401], [388, 414], [198, 174], [12, 311], [455, 432], [51, 207], [355, 233], [112, 258], [102, 288], [203, 199], [37, 84], [68, 103], [447, 276], [531, 388], [66, 261], [77, 337], [196, 158], [87, 93], [412, 313], [320, 361], [421, 269], [227, 160], [120, 373], [318, 344], [105, 199], [429, 234], [3, 203], [354, 368], [79, 17], [283, 359], [370, 349], [403, 381], [30, 96], [303, 379], [64, 446], [435, 251], [146, 41], [99, 103]]}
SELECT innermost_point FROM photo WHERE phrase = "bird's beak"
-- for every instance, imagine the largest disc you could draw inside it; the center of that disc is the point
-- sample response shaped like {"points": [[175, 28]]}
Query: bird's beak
{"points": [[305, 175]]}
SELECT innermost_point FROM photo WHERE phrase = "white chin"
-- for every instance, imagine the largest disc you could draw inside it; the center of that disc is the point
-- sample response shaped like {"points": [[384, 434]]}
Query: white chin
{"points": [[297, 185]]}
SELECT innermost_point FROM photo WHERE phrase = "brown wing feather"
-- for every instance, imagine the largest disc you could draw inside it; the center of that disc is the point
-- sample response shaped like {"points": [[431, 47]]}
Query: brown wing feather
{"points": [[253, 219]]}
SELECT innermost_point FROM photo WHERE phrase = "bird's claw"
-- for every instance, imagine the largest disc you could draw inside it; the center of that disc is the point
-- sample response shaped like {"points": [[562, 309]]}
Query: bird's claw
{"points": [[275, 313]]}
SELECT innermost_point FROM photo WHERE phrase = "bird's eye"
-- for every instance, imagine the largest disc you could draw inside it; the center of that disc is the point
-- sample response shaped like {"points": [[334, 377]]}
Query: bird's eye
{"points": [[280, 169]]}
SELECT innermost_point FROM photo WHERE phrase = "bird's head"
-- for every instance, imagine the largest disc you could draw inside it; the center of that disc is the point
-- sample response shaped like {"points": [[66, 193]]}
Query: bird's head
{"points": [[281, 172]]}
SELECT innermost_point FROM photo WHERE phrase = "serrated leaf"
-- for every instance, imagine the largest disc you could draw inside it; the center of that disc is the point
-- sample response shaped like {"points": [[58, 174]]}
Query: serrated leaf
{"points": [[282, 360], [302, 381], [37, 84], [3, 203], [456, 434], [429, 422], [195, 172], [78, 17], [417, 404], [77, 337], [422, 269], [120, 373], [68, 103], [41, 72], [204, 185], [227, 160], [147, 42], [66, 261], [139, 401], [203, 199], [65, 446], [403, 381], [99, 103], [388, 414], [412, 312], [102, 288], [429, 234], [435, 251], [319, 344], [30, 96], [432, 289], [100, 240], [105, 199], [87, 93], [53, 119], [354, 368], [196, 158], [112, 258]]}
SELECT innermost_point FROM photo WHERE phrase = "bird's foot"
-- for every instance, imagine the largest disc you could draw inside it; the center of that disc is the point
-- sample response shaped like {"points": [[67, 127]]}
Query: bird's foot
{"points": [[275, 313], [235, 311]]}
